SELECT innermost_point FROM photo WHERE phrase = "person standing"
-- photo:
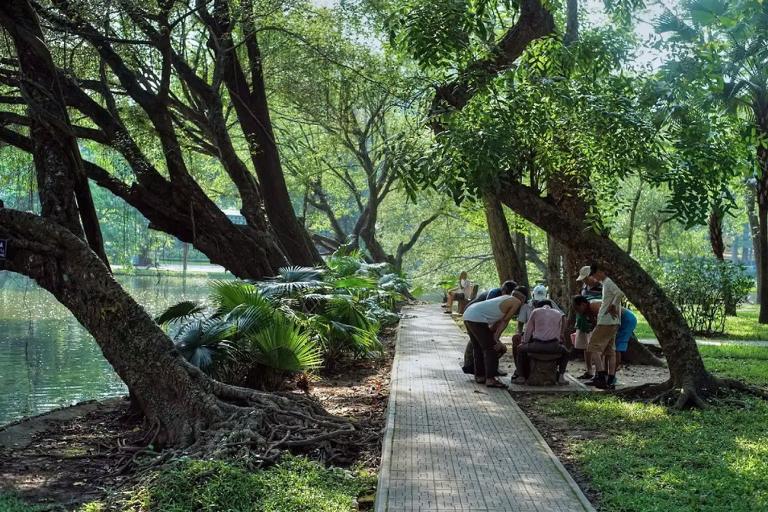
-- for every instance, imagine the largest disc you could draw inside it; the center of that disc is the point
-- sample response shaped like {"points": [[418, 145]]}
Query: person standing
{"points": [[586, 319], [485, 321], [602, 342]]}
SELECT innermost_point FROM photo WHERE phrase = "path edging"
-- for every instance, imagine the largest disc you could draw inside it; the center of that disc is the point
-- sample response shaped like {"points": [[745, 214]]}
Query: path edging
{"points": [[382, 485], [559, 465]]}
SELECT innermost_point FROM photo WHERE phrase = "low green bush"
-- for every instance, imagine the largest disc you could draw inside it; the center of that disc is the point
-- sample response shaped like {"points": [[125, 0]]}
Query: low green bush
{"points": [[705, 290]]}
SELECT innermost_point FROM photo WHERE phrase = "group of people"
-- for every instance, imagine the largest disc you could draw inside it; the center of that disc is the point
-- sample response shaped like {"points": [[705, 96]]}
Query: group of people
{"points": [[603, 329]]}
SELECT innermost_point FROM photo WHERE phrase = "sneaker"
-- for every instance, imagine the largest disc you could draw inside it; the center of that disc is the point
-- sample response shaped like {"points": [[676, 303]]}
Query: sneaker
{"points": [[585, 376]]}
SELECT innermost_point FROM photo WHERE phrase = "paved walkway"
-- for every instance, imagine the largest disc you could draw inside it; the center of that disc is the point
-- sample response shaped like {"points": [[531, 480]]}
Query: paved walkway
{"points": [[452, 445]]}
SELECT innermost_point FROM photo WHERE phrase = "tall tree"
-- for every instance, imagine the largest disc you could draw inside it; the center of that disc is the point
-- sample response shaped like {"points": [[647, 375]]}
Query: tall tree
{"points": [[720, 48], [151, 84], [183, 406], [476, 137]]}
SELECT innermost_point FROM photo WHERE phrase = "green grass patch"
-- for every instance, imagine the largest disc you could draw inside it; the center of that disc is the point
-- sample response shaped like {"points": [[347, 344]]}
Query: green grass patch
{"points": [[293, 485], [649, 458], [744, 326], [745, 362], [10, 503]]}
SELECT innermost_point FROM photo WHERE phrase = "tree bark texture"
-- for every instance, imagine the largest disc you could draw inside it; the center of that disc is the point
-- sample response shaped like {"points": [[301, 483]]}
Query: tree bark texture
{"points": [[503, 247]]}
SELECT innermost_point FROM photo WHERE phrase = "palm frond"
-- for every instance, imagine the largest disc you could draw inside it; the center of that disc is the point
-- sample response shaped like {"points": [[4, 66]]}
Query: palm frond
{"points": [[230, 295], [201, 341], [181, 312], [282, 346]]}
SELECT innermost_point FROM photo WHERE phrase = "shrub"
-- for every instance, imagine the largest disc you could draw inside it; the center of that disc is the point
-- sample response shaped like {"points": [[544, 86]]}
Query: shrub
{"points": [[257, 334], [704, 289]]}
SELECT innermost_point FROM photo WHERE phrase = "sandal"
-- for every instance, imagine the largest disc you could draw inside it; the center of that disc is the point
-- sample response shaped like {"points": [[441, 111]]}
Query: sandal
{"points": [[495, 384]]}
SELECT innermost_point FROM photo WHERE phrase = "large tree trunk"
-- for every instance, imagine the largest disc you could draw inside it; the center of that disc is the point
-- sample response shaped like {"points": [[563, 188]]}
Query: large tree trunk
{"points": [[686, 367], [555, 282], [503, 248], [750, 198], [521, 246], [253, 114], [761, 256]]}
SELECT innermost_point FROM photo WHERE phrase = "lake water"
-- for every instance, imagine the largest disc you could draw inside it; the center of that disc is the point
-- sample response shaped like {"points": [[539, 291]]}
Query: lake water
{"points": [[48, 360]]}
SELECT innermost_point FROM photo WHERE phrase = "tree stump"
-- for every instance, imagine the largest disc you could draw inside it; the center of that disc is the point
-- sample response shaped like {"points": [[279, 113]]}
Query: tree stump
{"points": [[543, 369]]}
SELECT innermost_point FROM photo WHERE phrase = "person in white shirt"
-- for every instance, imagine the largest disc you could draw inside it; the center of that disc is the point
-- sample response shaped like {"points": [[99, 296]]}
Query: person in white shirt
{"points": [[485, 321], [603, 339], [465, 287]]}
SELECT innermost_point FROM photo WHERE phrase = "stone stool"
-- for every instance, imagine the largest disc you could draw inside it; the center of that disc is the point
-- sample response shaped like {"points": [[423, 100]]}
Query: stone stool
{"points": [[543, 369]]}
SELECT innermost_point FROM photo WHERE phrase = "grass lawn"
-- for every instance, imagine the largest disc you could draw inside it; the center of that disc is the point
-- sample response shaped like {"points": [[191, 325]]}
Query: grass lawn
{"points": [[741, 327], [294, 485], [643, 458]]}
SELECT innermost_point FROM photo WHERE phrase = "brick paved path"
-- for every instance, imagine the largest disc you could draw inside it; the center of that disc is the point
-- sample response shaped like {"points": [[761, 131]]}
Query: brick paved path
{"points": [[453, 445]]}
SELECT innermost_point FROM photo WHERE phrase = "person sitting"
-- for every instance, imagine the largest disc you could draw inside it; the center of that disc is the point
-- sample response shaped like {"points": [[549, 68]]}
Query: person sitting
{"points": [[485, 321], [543, 335], [539, 293], [465, 287], [506, 288]]}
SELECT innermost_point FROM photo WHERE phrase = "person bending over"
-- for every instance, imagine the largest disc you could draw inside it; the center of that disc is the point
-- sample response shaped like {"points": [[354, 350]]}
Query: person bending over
{"points": [[485, 321], [506, 288], [586, 319], [543, 335]]}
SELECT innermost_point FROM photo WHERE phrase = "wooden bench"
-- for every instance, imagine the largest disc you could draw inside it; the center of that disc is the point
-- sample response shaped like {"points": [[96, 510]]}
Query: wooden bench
{"points": [[543, 369], [462, 301]]}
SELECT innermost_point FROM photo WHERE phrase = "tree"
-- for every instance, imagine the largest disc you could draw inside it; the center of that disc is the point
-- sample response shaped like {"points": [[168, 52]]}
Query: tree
{"points": [[151, 85], [606, 139], [183, 407], [720, 50], [346, 133]]}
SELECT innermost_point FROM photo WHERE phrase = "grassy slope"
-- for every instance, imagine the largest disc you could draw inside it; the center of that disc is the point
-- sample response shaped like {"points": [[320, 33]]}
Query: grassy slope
{"points": [[741, 327], [294, 485], [649, 458]]}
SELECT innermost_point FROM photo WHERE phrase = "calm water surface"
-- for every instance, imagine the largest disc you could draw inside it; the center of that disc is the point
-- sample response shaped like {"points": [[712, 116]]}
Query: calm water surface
{"points": [[48, 360]]}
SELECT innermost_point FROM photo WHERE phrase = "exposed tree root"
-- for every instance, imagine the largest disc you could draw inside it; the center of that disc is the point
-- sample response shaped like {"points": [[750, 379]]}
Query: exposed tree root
{"points": [[257, 427], [715, 391]]}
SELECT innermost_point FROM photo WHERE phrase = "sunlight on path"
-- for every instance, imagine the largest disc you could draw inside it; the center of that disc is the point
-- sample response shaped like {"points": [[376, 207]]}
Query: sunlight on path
{"points": [[451, 444]]}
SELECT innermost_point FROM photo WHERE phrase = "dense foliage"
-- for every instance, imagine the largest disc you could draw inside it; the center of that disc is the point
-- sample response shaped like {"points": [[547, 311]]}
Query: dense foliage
{"points": [[257, 334], [704, 289]]}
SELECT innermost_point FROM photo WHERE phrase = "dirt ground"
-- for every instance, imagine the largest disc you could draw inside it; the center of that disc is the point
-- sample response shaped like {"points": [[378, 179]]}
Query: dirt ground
{"points": [[74, 455]]}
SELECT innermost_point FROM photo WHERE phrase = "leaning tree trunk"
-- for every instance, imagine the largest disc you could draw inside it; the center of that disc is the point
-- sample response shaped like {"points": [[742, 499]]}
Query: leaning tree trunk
{"points": [[182, 405], [521, 246], [503, 248], [689, 380]]}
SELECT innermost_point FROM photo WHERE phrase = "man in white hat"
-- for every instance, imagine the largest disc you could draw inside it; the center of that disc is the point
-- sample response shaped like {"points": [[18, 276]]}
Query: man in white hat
{"points": [[602, 342]]}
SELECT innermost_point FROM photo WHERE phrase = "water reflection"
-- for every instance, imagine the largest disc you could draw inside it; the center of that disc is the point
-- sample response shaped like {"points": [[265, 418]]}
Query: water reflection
{"points": [[48, 360]]}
